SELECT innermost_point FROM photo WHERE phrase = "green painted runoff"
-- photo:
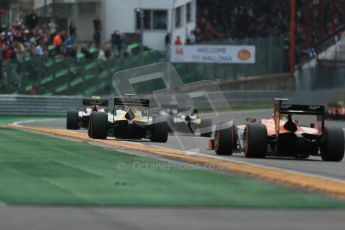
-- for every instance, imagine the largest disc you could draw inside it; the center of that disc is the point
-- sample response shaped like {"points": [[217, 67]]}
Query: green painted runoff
{"points": [[37, 169]]}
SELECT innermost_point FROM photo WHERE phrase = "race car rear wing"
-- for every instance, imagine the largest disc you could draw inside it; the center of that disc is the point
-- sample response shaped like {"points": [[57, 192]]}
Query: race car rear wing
{"points": [[132, 102], [90, 102], [302, 109], [281, 108]]}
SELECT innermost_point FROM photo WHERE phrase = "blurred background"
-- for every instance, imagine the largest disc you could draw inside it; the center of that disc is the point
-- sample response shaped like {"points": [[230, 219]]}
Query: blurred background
{"points": [[74, 47]]}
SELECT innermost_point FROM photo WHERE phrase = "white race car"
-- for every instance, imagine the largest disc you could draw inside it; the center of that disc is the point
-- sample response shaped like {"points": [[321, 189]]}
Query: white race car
{"points": [[81, 118], [183, 121]]}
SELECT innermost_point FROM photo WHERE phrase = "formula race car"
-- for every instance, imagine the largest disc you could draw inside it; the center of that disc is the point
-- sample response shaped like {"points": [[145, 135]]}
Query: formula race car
{"points": [[130, 119], [282, 136], [336, 111], [81, 118], [182, 120]]}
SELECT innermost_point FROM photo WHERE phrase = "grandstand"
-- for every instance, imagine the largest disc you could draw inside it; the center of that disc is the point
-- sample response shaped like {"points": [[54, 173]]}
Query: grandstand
{"points": [[297, 37]]}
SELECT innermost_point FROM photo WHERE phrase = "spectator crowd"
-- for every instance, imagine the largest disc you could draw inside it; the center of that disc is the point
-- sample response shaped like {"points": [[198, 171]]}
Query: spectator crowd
{"points": [[36, 36], [233, 19], [27, 36]]}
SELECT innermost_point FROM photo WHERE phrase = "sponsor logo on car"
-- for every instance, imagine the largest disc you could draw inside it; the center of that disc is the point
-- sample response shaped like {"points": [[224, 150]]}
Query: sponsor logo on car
{"points": [[314, 107]]}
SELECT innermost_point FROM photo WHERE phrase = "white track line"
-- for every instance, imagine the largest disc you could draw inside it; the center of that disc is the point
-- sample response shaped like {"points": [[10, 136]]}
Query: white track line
{"points": [[18, 123]]}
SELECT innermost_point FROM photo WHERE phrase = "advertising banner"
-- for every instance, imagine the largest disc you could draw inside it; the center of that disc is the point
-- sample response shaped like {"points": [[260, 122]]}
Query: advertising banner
{"points": [[213, 54]]}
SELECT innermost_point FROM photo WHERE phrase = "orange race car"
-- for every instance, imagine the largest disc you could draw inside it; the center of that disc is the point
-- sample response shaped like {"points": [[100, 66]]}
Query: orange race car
{"points": [[281, 135]]}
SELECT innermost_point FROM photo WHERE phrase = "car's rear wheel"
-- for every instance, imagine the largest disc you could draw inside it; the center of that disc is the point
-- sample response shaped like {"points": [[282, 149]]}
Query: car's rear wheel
{"points": [[206, 127], [332, 146], [98, 125], [72, 120], [159, 130], [255, 140], [224, 139]]}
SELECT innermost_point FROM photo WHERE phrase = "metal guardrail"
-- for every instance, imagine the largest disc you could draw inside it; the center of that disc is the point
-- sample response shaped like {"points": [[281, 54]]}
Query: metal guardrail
{"points": [[37, 105], [58, 105]]}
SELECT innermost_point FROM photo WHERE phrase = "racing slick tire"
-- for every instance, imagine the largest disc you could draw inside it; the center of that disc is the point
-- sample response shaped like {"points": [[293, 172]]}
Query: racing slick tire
{"points": [[206, 127], [98, 125], [255, 140], [159, 130], [72, 120], [332, 145], [224, 140]]}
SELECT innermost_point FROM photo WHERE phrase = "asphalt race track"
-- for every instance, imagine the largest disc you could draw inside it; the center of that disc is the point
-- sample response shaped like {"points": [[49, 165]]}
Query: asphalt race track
{"points": [[40, 218], [313, 165], [90, 218]]}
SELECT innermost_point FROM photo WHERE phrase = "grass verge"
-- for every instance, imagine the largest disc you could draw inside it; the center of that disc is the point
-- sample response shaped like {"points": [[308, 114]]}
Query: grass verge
{"points": [[37, 169]]}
